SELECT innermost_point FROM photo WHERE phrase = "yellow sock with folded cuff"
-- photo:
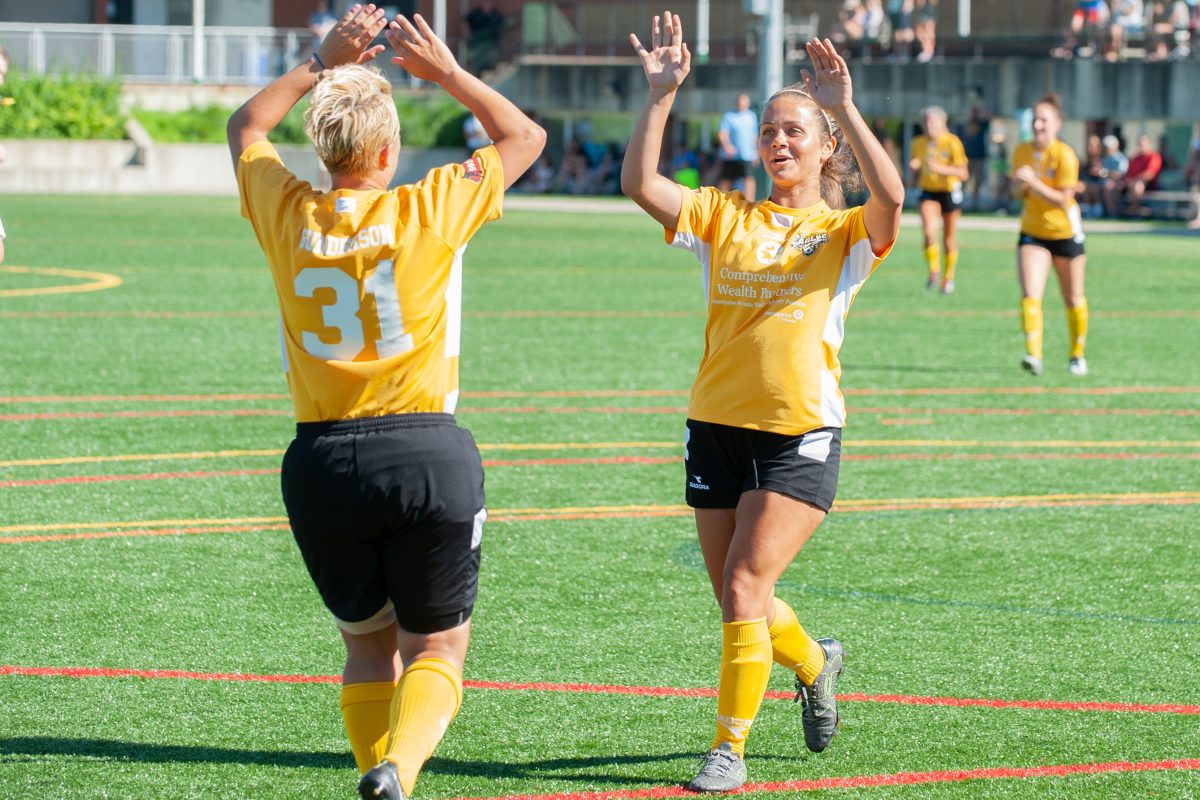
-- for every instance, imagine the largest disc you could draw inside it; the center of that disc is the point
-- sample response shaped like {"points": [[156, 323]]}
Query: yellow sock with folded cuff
{"points": [[745, 670], [792, 647], [1077, 325], [951, 263], [933, 260], [367, 710], [427, 698], [1031, 323]]}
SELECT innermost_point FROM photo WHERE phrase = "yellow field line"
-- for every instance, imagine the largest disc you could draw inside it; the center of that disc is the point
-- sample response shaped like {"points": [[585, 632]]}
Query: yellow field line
{"points": [[51, 462], [637, 510], [99, 281]]}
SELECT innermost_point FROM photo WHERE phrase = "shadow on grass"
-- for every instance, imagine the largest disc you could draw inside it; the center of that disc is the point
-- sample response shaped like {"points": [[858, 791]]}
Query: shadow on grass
{"points": [[169, 753]]}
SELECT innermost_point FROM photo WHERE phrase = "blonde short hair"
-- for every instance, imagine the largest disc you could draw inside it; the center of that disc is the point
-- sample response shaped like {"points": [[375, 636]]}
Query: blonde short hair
{"points": [[351, 119]]}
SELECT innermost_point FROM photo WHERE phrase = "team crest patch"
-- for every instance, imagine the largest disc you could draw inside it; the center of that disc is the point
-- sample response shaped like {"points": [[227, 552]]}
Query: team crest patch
{"points": [[808, 244], [472, 170]]}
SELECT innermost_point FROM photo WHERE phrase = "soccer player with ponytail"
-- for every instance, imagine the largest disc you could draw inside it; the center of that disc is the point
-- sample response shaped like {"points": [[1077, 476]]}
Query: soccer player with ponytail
{"points": [[763, 436]]}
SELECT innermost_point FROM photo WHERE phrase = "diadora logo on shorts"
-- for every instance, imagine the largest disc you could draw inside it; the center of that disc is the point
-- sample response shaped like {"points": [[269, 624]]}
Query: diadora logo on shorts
{"points": [[697, 483], [472, 171], [808, 244]]}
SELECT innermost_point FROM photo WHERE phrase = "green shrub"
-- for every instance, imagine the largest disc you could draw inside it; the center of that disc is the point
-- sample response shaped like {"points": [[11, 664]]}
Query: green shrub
{"points": [[61, 107], [426, 120]]}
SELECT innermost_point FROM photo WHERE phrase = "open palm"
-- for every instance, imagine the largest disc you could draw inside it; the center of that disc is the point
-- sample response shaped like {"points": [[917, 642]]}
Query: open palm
{"points": [[668, 60], [829, 84]]}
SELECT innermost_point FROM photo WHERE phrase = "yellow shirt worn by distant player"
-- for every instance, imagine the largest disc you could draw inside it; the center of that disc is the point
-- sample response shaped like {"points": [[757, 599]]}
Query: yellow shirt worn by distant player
{"points": [[369, 282], [1058, 167], [779, 283], [947, 151]]}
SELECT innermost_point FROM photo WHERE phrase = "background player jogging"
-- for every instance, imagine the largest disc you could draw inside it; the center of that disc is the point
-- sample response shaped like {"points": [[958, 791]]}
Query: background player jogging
{"points": [[384, 492], [765, 413], [940, 165]]}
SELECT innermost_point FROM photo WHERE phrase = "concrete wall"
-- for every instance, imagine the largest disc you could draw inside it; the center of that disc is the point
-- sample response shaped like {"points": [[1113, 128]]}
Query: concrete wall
{"points": [[124, 168]]}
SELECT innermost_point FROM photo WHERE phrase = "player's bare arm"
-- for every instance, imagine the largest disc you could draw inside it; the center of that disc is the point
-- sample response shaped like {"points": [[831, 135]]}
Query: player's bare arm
{"points": [[518, 139], [666, 64], [830, 86], [349, 42]]}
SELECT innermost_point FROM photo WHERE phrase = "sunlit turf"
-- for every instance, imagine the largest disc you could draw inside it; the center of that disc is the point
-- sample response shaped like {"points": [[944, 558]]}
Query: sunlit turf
{"points": [[1065, 572]]}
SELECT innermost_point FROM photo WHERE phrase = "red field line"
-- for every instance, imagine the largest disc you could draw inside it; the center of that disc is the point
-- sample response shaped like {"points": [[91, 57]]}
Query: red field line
{"points": [[1026, 412], [138, 398], [198, 412], [640, 691], [887, 779]]}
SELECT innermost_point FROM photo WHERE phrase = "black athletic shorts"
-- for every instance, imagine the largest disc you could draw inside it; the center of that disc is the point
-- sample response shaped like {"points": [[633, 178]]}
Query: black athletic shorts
{"points": [[388, 513], [1060, 248], [949, 201], [722, 462], [734, 170]]}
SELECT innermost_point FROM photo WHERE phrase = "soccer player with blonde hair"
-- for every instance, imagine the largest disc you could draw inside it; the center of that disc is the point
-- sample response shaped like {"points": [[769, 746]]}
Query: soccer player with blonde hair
{"points": [[1045, 176], [940, 165], [763, 437], [384, 492]]}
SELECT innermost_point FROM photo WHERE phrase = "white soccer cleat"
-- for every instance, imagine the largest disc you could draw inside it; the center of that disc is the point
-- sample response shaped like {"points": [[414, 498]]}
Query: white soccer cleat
{"points": [[1078, 366], [1033, 364]]}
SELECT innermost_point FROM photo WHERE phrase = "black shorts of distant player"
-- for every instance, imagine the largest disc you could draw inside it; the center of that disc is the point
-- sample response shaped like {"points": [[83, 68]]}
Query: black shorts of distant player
{"points": [[1060, 248], [723, 462], [388, 513], [948, 201], [735, 170]]}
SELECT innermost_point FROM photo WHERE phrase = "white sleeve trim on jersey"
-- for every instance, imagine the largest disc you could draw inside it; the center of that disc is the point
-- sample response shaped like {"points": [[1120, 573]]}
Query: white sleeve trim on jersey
{"points": [[855, 270], [702, 250]]}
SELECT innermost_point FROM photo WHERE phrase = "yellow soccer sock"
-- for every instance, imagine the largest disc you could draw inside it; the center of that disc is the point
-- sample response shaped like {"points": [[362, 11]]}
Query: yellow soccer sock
{"points": [[366, 710], [951, 263], [427, 698], [1031, 323], [792, 647], [1077, 324], [932, 259], [745, 669]]}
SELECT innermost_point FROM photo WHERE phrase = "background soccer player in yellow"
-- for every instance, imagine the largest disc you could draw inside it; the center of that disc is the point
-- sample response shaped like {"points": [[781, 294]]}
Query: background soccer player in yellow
{"points": [[940, 165], [1045, 174], [384, 492], [765, 414]]}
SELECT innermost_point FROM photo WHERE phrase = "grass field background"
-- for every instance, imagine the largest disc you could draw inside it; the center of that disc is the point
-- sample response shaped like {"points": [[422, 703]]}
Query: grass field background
{"points": [[1012, 566]]}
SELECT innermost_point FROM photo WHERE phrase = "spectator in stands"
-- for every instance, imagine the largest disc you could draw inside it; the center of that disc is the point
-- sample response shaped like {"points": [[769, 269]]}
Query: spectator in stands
{"points": [[738, 135], [539, 179], [974, 137], [321, 22], [1191, 176], [999, 169], [572, 169], [1115, 165], [1170, 30], [474, 134], [1128, 22], [1088, 21], [925, 18], [1091, 191], [901, 14], [1144, 169], [485, 23]]}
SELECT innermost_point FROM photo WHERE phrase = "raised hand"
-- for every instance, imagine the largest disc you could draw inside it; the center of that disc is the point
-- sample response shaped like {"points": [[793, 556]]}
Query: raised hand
{"points": [[668, 60], [419, 50], [829, 85], [349, 42]]}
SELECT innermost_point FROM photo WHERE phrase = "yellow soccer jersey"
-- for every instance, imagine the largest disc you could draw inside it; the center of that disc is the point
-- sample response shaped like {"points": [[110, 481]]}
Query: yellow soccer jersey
{"points": [[369, 282], [1057, 167], [779, 283], [947, 151]]}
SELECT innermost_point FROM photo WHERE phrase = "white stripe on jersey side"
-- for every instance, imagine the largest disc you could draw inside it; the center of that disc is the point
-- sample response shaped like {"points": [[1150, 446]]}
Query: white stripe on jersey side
{"points": [[855, 270], [702, 251], [283, 345], [1075, 217], [454, 320]]}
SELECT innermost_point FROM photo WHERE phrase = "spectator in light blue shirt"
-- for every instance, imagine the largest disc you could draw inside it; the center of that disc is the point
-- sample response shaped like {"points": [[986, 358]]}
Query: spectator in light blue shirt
{"points": [[738, 135]]}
